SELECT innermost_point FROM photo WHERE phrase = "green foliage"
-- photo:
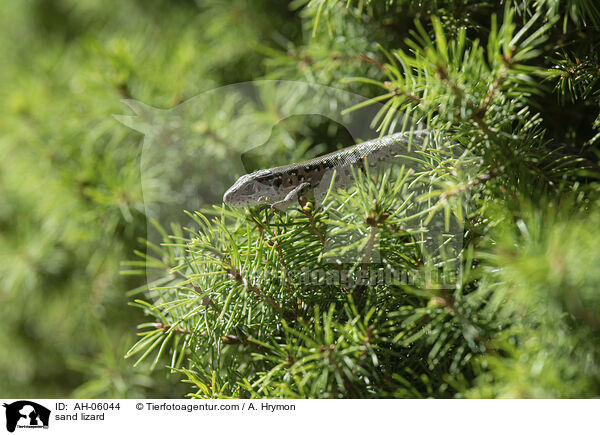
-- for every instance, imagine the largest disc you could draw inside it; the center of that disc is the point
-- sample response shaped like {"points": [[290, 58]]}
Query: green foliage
{"points": [[72, 205], [521, 321], [549, 282]]}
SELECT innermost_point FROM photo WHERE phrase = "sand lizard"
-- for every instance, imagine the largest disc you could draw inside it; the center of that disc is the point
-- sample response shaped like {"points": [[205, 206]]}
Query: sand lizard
{"points": [[283, 185]]}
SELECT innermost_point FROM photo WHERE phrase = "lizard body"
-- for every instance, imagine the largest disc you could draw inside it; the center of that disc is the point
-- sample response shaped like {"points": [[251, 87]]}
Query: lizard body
{"points": [[282, 185]]}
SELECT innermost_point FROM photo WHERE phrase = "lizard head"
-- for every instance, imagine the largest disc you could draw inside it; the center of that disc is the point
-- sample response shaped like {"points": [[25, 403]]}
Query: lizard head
{"points": [[249, 190]]}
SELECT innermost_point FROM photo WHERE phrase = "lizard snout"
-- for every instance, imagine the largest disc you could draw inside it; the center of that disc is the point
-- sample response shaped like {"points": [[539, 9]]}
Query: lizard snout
{"points": [[228, 198], [235, 196]]}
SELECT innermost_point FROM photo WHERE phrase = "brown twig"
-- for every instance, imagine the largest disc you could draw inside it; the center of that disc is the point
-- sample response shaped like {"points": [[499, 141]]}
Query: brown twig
{"points": [[369, 59], [477, 113], [397, 91], [284, 269], [307, 210], [236, 275], [207, 300], [167, 327]]}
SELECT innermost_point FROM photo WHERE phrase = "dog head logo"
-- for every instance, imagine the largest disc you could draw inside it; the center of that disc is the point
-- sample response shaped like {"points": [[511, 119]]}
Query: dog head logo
{"points": [[26, 414]]}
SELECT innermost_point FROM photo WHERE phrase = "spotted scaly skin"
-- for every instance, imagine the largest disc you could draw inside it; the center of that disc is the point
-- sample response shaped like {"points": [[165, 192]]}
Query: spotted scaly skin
{"points": [[281, 186]]}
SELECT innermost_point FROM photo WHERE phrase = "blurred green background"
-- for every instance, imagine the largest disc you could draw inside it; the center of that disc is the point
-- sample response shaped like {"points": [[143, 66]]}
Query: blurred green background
{"points": [[70, 196]]}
